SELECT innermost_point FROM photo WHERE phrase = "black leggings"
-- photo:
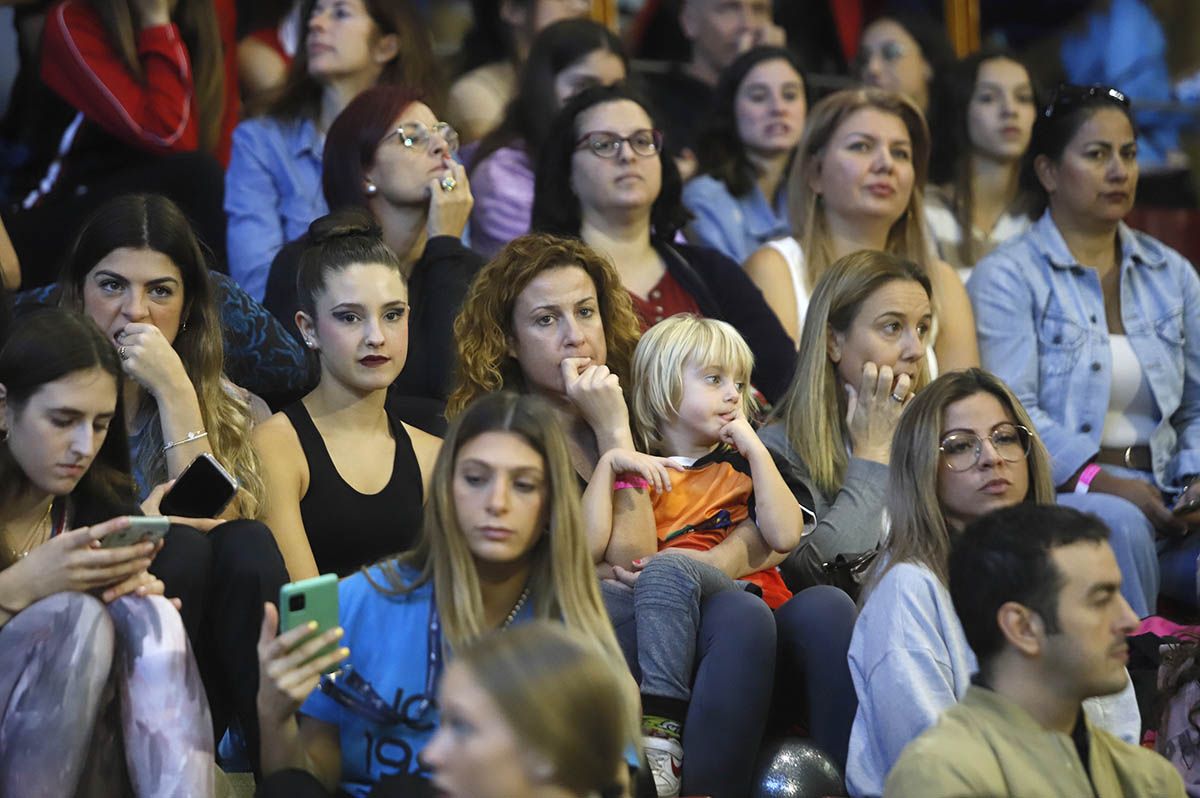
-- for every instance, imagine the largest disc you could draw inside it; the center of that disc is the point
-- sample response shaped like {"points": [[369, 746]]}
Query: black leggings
{"points": [[223, 578]]}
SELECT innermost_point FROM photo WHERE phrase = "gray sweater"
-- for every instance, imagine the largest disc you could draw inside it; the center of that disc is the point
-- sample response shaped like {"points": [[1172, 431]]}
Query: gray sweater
{"points": [[848, 523]]}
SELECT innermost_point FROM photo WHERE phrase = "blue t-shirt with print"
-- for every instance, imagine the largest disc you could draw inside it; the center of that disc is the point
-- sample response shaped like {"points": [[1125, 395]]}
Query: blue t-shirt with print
{"points": [[388, 638]]}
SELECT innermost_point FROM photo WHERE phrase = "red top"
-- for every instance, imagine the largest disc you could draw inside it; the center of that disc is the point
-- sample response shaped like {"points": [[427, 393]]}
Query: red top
{"points": [[665, 299], [158, 114]]}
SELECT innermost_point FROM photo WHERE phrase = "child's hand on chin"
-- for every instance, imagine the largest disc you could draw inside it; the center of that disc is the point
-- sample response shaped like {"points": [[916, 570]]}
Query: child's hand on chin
{"points": [[740, 435]]}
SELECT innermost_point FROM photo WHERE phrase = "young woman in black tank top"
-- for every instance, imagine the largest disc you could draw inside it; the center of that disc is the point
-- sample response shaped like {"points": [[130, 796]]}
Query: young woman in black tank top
{"points": [[345, 480]]}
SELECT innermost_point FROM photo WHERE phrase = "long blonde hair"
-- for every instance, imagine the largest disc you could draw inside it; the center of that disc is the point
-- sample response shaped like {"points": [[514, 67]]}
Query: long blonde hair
{"points": [[919, 533], [906, 238], [659, 361], [153, 222], [562, 581], [483, 328], [814, 408], [563, 698]]}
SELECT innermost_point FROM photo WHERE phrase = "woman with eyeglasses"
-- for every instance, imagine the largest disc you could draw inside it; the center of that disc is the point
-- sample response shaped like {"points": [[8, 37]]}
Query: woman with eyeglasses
{"points": [[906, 53], [858, 183], [976, 201], [604, 176], [963, 447], [388, 155], [739, 197], [345, 477], [1097, 329], [272, 186], [503, 542], [566, 58]]}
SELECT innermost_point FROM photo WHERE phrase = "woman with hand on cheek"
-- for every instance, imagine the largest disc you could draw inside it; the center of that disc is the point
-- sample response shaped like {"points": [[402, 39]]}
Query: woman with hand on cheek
{"points": [[80, 624], [138, 271], [549, 316], [502, 543], [347, 479], [861, 359], [388, 155]]}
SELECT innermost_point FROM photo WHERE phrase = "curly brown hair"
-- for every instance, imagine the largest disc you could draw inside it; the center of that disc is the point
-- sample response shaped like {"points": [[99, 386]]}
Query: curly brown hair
{"points": [[483, 329]]}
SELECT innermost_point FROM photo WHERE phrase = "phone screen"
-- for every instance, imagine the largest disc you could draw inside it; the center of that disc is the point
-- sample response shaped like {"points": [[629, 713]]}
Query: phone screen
{"points": [[203, 490]]}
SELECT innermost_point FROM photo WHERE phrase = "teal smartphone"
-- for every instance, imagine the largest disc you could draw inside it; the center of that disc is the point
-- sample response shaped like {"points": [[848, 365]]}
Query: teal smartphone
{"points": [[141, 529], [313, 599]]}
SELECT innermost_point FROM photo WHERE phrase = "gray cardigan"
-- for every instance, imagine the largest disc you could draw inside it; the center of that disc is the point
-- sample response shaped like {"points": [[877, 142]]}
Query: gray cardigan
{"points": [[850, 523]]}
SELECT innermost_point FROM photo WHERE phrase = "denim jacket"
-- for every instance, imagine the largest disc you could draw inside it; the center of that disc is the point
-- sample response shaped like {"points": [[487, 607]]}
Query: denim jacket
{"points": [[734, 226], [1041, 322], [272, 194]]}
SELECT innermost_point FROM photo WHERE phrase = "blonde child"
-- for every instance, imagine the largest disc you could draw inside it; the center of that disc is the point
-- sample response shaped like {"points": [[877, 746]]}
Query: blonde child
{"points": [[691, 405]]}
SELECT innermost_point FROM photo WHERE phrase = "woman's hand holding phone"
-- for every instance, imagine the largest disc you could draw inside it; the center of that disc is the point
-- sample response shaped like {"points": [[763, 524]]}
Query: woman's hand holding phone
{"points": [[150, 506], [287, 671], [76, 561]]}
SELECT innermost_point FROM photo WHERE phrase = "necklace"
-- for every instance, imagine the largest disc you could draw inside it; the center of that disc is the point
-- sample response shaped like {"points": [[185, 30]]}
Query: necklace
{"points": [[516, 609], [32, 538]]}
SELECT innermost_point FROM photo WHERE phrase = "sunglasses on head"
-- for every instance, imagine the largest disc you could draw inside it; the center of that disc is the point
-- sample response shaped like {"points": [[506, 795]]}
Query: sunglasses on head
{"points": [[1068, 95]]}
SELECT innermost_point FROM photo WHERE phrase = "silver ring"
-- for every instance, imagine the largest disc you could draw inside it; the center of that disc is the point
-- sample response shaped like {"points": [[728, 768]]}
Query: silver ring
{"points": [[122, 351], [448, 183], [898, 398]]}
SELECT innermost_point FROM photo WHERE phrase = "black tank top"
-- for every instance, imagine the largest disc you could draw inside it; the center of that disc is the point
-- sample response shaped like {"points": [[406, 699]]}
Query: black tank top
{"points": [[347, 529]]}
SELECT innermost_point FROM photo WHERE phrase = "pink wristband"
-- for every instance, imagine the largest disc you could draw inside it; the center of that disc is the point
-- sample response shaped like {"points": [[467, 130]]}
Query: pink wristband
{"points": [[630, 481], [1084, 483]]}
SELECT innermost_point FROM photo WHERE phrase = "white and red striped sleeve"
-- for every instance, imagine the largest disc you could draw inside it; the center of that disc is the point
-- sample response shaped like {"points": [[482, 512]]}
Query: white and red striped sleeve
{"points": [[80, 64]]}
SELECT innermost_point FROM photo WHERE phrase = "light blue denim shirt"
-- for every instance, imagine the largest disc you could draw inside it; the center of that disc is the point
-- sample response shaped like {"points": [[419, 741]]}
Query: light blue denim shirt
{"points": [[272, 193], [734, 226], [1041, 323]]}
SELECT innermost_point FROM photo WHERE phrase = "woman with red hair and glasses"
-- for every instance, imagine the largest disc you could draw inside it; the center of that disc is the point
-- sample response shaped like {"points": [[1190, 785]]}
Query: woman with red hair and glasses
{"points": [[272, 186], [388, 154]]}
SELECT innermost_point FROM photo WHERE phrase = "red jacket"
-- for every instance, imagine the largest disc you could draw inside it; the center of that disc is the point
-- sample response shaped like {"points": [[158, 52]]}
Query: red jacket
{"points": [[158, 115]]}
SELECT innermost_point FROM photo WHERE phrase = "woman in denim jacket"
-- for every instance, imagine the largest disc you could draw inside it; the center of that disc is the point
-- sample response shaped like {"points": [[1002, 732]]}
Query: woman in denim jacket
{"points": [[1097, 329]]}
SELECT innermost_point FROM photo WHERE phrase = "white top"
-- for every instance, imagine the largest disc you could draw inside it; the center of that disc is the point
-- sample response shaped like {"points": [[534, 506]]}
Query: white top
{"points": [[1132, 412], [789, 249], [946, 234]]}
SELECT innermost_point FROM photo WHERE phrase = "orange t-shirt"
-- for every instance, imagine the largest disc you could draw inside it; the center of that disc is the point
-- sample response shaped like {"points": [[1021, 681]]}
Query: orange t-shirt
{"points": [[705, 503]]}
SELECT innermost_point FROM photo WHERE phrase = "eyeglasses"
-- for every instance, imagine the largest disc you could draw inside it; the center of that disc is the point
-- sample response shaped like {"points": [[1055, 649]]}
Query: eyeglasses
{"points": [[889, 51], [606, 144], [1068, 95], [349, 688], [415, 134], [962, 450]]}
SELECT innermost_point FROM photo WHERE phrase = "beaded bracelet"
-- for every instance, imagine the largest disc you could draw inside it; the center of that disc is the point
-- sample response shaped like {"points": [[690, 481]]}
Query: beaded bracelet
{"points": [[191, 436]]}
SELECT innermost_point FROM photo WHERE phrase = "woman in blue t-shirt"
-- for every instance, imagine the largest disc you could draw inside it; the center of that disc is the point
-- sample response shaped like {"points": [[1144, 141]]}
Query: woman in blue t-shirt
{"points": [[502, 542]]}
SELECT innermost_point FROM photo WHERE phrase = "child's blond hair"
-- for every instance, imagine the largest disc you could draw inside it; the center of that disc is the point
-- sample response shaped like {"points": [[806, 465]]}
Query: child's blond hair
{"points": [[663, 353]]}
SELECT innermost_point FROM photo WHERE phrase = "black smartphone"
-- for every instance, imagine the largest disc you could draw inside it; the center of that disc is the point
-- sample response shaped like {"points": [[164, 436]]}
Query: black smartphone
{"points": [[203, 490]]}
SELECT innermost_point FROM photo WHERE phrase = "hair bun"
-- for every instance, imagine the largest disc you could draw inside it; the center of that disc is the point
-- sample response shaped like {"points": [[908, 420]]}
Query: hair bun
{"points": [[344, 223]]}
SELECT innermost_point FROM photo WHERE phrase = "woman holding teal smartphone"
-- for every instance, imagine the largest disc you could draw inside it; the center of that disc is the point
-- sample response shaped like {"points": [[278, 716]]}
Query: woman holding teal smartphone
{"points": [[502, 542], [72, 610]]}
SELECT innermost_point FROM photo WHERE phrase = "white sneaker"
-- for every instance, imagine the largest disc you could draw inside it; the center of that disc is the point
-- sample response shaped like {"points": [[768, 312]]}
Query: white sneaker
{"points": [[665, 758]]}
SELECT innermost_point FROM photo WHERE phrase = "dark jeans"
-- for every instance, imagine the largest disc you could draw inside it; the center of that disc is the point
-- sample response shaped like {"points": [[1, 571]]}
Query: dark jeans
{"points": [[223, 578], [731, 691], [813, 681]]}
